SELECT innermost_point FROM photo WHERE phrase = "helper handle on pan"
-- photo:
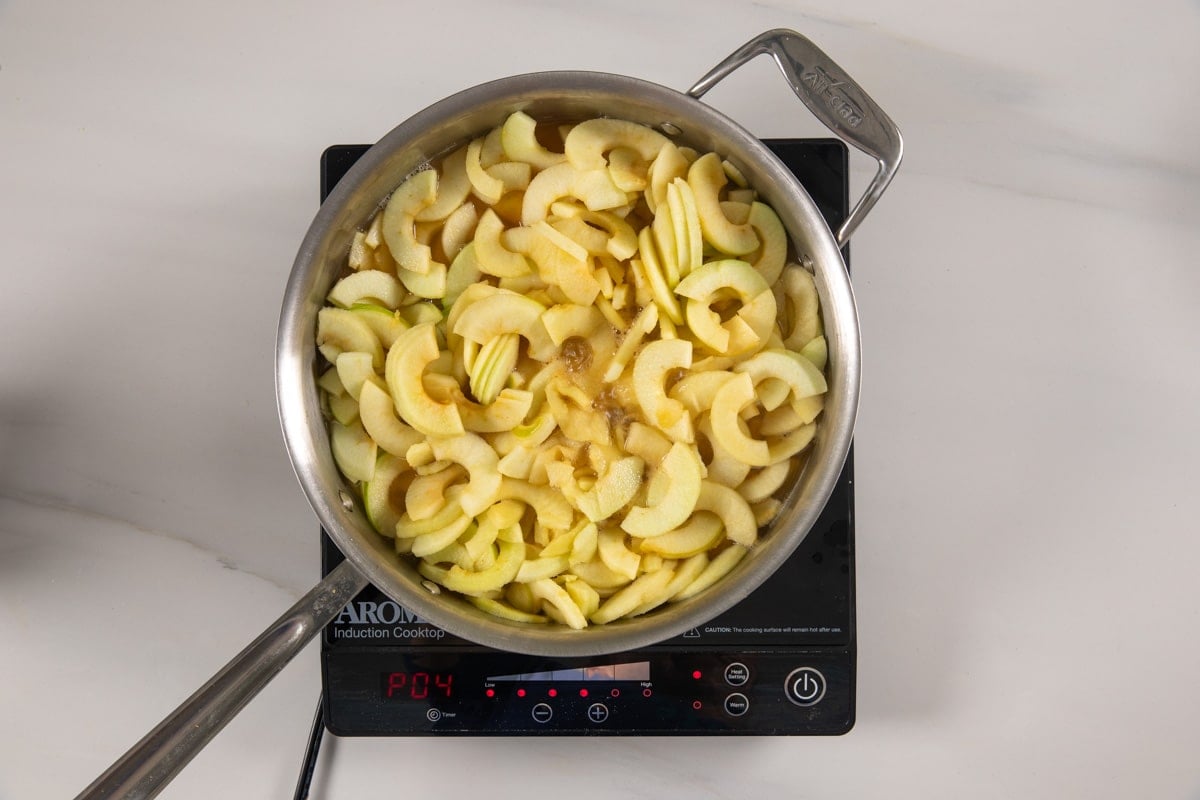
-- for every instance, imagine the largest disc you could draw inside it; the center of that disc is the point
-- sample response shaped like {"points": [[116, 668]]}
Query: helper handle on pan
{"points": [[150, 764], [833, 97]]}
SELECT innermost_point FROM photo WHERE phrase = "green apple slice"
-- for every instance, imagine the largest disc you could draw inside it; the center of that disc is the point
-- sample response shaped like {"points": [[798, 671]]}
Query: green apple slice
{"points": [[505, 611], [344, 408], [353, 451], [379, 501], [463, 272], [669, 165], [518, 137], [642, 324], [720, 566], [495, 363], [552, 508], [613, 489], [508, 562], [800, 374], [379, 419], [340, 330], [638, 593], [452, 188], [766, 482], [588, 141], [474, 453], [430, 284], [548, 186], [664, 298], [805, 306], [817, 352], [385, 323], [615, 555], [355, 369], [406, 362], [549, 591], [565, 320], [706, 178], [504, 414]]}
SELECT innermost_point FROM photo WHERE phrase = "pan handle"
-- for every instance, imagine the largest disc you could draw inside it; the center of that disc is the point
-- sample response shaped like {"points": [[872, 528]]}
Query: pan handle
{"points": [[835, 99], [150, 764]]}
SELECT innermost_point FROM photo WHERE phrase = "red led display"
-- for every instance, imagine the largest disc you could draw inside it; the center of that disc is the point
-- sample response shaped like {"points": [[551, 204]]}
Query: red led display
{"points": [[418, 685]]}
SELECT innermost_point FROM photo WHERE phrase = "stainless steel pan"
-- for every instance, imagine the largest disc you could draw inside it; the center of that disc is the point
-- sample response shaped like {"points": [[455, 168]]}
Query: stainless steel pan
{"points": [[823, 87]]}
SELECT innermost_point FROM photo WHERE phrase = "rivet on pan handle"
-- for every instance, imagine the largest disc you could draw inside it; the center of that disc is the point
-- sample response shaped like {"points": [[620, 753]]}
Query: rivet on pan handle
{"points": [[833, 98]]}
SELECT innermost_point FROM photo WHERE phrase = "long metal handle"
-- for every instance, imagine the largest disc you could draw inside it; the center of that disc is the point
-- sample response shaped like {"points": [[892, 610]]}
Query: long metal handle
{"points": [[150, 764], [833, 98]]}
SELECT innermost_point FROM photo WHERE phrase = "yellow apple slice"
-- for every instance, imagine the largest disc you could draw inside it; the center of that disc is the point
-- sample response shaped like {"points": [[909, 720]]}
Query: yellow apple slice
{"points": [[587, 598], [697, 535], [474, 453], [772, 252], [497, 360], [615, 555], [804, 306], [519, 140], [458, 230], [426, 494], [505, 412], [464, 271], [642, 324], [497, 313], [353, 451], [706, 178], [766, 482], [565, 320], [588, 141], [650, 369], [430, 284], [630, 597], [627, 169], [720, 566], [368, 286], [508, 562], [656, 278], [406, 362], [547, 187], [800, 374], [536, 569], [723, 467], [697, 390], [379, 419], [340, 330], [727, 426], [549, 591], [355, 369], [751, 325], [452, 188], [683, 472], [613, 489], [487, 188], [399, 220], [668, 165], [552, 508], [733, 510]]}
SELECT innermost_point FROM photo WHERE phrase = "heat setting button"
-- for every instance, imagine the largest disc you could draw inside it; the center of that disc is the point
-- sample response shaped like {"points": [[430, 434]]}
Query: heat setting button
{"points": [[597, 712], [736, 674], [542, 713], [804, 686]]}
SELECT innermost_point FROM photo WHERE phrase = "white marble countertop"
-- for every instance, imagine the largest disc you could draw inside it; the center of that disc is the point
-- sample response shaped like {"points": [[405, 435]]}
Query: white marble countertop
{"points": [[1029, 618]]}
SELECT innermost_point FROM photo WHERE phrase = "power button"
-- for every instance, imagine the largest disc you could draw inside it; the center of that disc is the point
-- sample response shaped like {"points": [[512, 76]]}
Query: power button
{"points": [[804, 686]]}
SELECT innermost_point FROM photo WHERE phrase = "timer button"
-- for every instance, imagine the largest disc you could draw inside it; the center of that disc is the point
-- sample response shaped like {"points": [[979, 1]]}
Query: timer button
{"points": [[736, 674], [542, 713], [804, 686], [737, 704]]}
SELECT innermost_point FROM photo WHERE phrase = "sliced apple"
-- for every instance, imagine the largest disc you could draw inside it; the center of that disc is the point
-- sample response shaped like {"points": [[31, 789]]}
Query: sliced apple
{"points": [[518, 136], [496, 361], [720, 566], [800, 374], [496, 313], [464, 271], [816, 351], [727, 426], [406, 362], [613, 489], [355, 369], [556, 596], [667, 166], [630, 597], [506, 412], [551, 508], [642, 324], [656, 277], [683, 472], [486, 187], [458, 230], [565, 320], [616, 555], [452, 188], [380, 495], [772, 252], [749, 328], [399, 220], [340, 330], [588, 141], [430, 284], [379, 419], [805, 306], [474, 453], [650, 369], [385, 323], [698, 534], [493, 257], [706, 177], [353, 451], [733, 510], [367, 286]]}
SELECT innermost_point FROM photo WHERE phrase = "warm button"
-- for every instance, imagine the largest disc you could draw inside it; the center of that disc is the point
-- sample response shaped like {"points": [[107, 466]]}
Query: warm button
{"points": [[804, 686], [736, 704], [736, 674]]}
